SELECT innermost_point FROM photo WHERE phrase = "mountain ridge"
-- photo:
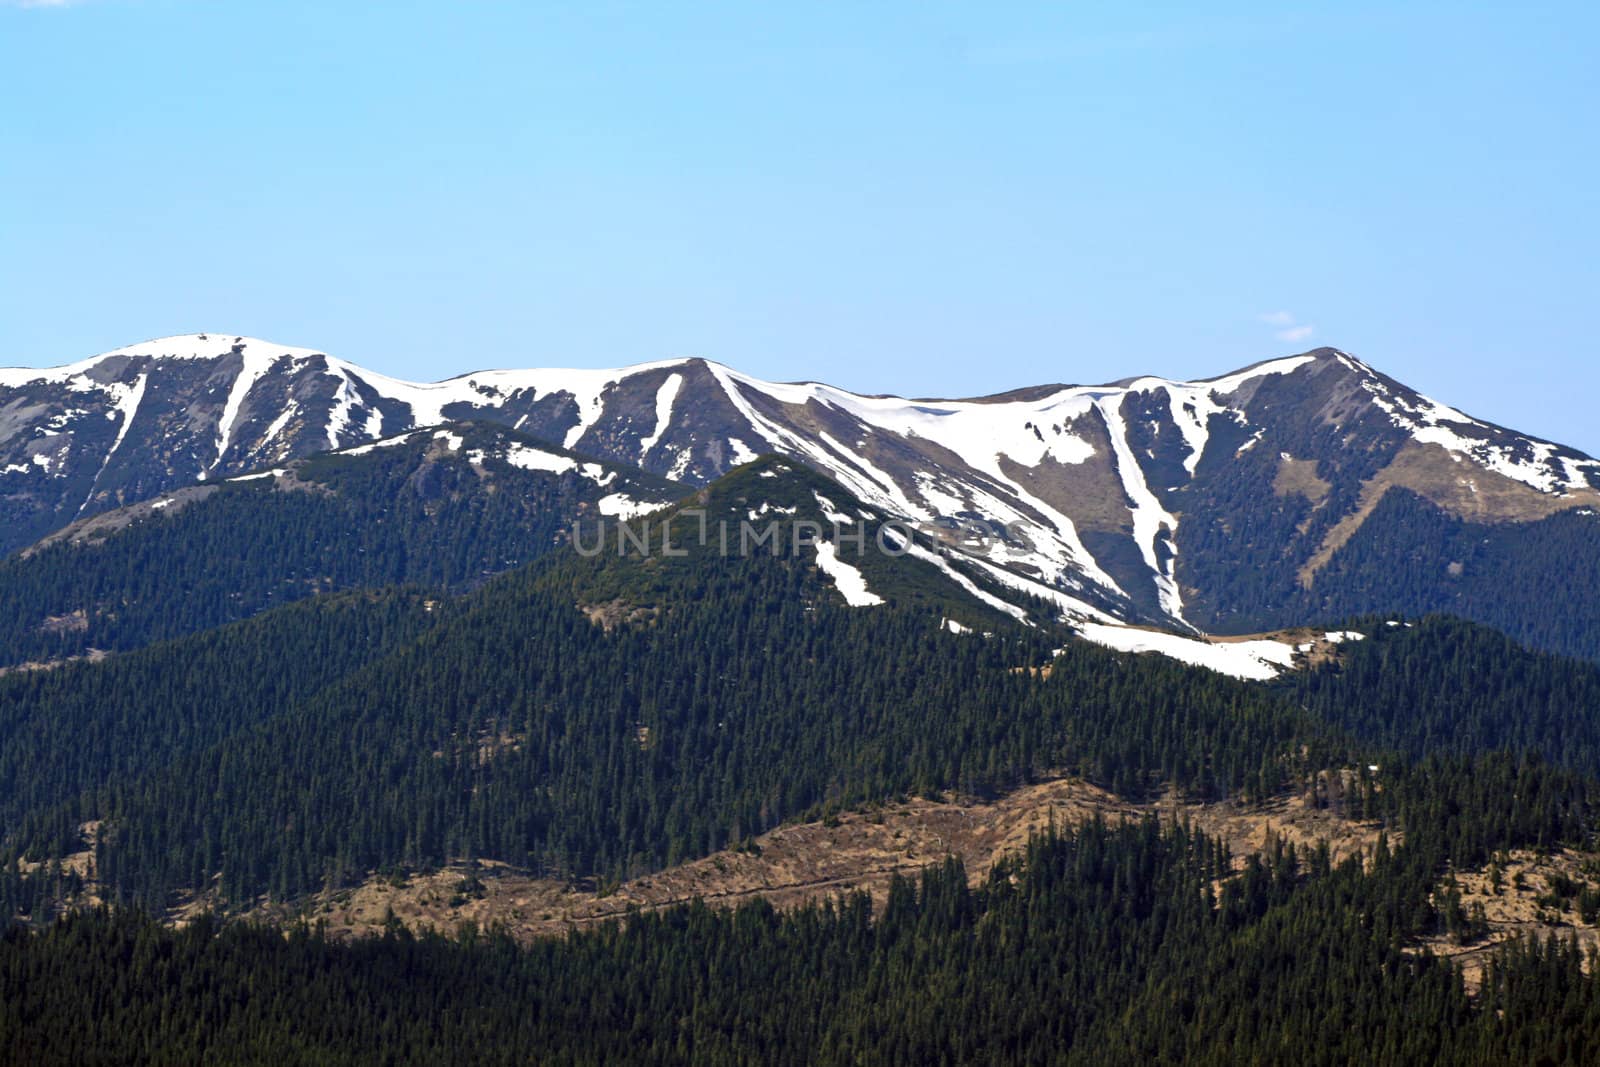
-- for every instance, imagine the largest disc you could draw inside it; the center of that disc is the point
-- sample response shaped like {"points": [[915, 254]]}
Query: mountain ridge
{"points": [[1128, 497]]}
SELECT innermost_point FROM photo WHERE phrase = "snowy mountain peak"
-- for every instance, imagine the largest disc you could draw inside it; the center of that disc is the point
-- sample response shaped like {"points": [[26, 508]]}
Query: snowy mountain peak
{"points": [[209, 346], [1128, 498]]}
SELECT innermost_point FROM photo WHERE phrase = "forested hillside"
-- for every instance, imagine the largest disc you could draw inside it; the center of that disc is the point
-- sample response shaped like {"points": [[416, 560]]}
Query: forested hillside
{"points": [[446, 509], [1537, 581], [517, 729], [602, 714], [1443, 685], [605, 715], [1096, 946], [81, 728]]}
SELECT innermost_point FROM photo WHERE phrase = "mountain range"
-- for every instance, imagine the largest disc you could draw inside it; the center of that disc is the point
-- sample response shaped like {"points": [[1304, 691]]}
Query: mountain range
{"points": [[671, 675], [1299, 489]]}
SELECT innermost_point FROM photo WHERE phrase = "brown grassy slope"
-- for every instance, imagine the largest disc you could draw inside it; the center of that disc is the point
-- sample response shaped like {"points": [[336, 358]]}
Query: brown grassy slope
{"points": [[802, 863]]}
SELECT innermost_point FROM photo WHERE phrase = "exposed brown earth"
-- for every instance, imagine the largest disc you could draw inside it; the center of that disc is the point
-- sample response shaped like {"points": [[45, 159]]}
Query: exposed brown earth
{"points": [[1321, 649], [613, 613], [80, 863], [1522, 905], [800, 864], [73, 622], [862, 851], [1090, 491], [1460, 487], [1300, 476], [93, 655]]}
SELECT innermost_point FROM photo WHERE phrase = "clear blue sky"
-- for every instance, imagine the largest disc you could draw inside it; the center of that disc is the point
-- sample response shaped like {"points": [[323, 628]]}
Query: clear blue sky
{"points": [[919, 197]]}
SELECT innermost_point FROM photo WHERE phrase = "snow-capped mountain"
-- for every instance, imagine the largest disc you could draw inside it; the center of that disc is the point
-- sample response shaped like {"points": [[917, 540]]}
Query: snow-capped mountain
{"points": [[1202, 505]]}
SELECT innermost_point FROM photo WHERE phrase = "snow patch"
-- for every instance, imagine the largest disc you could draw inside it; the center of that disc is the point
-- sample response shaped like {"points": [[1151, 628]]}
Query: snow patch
{"points": [[207, 346], [128, 404], [591, 406], [598, 474], [1071, 607], [183, 346], [664, 398], [278, 424], [257, 361], [533, 459], [390, 442], [1150, 519], [829, 512], [1523, 459], [128, 400], [1259, 660], [277, 472], [942, 502], [846, 578], [680, 466], [345, 399], [621, 506]]}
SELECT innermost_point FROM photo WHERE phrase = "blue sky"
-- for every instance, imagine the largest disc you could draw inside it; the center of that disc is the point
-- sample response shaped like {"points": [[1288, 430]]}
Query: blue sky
{"points": [[929, 198]]}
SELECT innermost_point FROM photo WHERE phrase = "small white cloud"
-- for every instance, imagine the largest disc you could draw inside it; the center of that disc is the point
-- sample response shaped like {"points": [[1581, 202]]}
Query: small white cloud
{"points": [[1289, 328]]}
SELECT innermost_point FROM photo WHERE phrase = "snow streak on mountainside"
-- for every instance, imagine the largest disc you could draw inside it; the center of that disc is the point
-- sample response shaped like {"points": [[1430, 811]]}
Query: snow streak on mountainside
{"points": [[1260, 659], [1540, 464], [1124, 501]]}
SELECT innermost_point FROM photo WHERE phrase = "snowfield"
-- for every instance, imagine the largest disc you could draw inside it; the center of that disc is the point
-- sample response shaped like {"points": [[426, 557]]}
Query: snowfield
{"points": [[1258, 661]]}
